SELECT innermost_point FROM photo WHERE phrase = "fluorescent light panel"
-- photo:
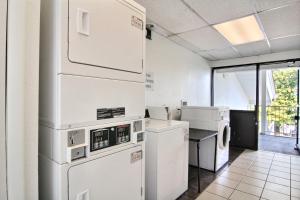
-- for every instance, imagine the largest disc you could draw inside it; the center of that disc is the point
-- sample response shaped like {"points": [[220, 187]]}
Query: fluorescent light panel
{"points": [[241, 31]]}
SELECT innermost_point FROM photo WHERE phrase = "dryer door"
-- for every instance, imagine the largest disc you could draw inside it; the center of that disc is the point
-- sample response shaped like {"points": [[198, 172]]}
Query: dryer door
{"points": [[223, 134], [106, 33], [112, 177]]}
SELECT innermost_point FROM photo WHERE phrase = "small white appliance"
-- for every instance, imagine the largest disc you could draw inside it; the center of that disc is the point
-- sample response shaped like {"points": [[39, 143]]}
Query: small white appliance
{"points": [[166, 159], [213, 154], [163, 112]]}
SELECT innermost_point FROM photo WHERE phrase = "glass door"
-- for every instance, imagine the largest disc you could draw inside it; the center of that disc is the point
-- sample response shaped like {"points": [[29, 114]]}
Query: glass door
{"points": [[236, 88]]}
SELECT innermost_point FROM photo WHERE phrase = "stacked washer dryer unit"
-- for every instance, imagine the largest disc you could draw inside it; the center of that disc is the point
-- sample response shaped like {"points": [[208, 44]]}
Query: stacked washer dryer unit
{"points": [[92, 100], [213, 154]]}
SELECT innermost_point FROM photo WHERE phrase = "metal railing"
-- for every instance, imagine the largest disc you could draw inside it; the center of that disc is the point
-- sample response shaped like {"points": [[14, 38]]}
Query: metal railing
{"points": [[280, 121]]}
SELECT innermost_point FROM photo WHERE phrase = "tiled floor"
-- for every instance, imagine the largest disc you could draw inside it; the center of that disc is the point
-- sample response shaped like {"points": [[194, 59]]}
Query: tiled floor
{"points": [[277, 144], [206, 177], [256, 175]]}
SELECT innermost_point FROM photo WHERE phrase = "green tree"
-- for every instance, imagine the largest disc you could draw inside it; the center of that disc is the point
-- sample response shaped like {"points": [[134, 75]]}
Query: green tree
{"points": [[283, 108]]}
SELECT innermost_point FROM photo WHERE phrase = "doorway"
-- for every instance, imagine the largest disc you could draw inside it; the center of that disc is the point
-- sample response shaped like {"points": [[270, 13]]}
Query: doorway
{"points": [[236, 88], [249, 116], [278, 108]]}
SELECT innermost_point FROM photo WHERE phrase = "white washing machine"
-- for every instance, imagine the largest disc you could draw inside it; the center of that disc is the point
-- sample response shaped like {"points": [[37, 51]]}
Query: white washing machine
{"points": [[213, 154], [92, 100], [167, 149]]}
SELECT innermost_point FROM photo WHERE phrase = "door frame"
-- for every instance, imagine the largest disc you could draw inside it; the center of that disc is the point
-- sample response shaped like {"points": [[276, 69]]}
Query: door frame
{"points": [[258, 64], [3, 72]]}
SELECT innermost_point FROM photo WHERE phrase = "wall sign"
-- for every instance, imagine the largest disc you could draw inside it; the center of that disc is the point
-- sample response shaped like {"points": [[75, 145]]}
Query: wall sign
{"points": [[149, 81]]}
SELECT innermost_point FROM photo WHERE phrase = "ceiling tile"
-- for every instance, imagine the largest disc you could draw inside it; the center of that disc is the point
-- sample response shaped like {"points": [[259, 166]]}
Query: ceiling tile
{"points": [[217, 11], [172, 15], [206, 55], [254, 48], [281, 22], [285, 44], [184, 43], [221, 54], [205, 38], [262, 5]]}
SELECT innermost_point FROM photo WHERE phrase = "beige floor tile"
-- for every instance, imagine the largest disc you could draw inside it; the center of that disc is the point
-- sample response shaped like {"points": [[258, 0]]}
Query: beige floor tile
{"points": [[278, 180], [226, 182], [261, 164], [281, 164], [253, 181], [259, 169], [278, 188], [232, 176], [237, 195], [208, 196], [295, 171], [295, 198], [264, 160], [250, 189], [220, 190], [271, 195], [281, 169], [295, 166], [236, 170], [295, 177], [295, 192], [241, 165], [280, 174], [295, 184], [256, 175]]}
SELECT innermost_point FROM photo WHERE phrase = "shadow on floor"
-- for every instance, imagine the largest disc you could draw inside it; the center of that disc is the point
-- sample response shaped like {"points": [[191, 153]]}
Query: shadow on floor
{"points": [[207, 177], [277, 144]]}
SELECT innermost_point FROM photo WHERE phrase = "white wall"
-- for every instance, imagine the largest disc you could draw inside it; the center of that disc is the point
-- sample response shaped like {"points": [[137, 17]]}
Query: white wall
{"points": [[22, 99], [178, 73], [3, 195], [228, 92]]}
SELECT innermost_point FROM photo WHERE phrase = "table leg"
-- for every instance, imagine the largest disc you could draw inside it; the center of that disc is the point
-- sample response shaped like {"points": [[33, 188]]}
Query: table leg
{"points": [[198, 163]]}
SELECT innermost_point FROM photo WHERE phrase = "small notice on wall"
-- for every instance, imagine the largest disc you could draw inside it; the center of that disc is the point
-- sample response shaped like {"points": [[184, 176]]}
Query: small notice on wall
{"points": [[149, 81]]}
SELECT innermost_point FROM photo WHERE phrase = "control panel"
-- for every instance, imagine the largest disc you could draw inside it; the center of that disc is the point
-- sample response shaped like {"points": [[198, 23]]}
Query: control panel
{"points": [[110, 136]]}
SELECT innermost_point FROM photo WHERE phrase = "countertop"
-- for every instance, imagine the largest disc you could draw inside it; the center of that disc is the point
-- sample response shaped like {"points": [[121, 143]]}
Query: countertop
{"points": [[198, 135]]}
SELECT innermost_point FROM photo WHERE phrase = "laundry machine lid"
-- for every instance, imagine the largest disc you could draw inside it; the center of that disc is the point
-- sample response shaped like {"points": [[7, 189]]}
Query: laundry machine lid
{"points": [[153, 125]]}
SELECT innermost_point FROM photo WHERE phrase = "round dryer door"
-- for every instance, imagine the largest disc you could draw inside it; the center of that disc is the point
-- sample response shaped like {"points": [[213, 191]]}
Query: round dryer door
{"points": [[223, 134]]}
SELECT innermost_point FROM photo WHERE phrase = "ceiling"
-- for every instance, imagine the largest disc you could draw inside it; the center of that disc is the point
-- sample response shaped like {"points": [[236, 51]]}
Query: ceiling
{"points": [[190, 24]]}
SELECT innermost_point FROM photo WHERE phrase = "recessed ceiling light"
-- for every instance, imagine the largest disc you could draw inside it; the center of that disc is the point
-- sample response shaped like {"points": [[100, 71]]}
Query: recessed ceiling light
{"points": [[241, 31]]}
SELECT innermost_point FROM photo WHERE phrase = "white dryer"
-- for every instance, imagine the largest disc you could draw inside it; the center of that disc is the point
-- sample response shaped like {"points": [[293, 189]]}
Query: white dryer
{"points": [[213, 154], [92, 100]]}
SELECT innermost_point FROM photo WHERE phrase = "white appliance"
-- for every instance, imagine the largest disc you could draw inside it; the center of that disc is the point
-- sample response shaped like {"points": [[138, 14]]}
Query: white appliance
{"points": [[166, 159], [211, 151], [92, 100], [3, 176], [163, 112]]}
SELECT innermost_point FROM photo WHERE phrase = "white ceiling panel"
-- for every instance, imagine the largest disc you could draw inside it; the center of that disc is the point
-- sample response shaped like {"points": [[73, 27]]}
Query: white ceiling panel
{"points": [[254, 48], [281, 22], [285, 44], [205, 38], [206, 55], [216, 11], [262, 5], [172, 15], [184, 43], [221, 54]]}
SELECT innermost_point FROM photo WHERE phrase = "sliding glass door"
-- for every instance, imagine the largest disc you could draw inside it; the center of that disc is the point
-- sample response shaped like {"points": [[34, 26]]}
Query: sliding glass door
{"points": [[235, 87]]}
